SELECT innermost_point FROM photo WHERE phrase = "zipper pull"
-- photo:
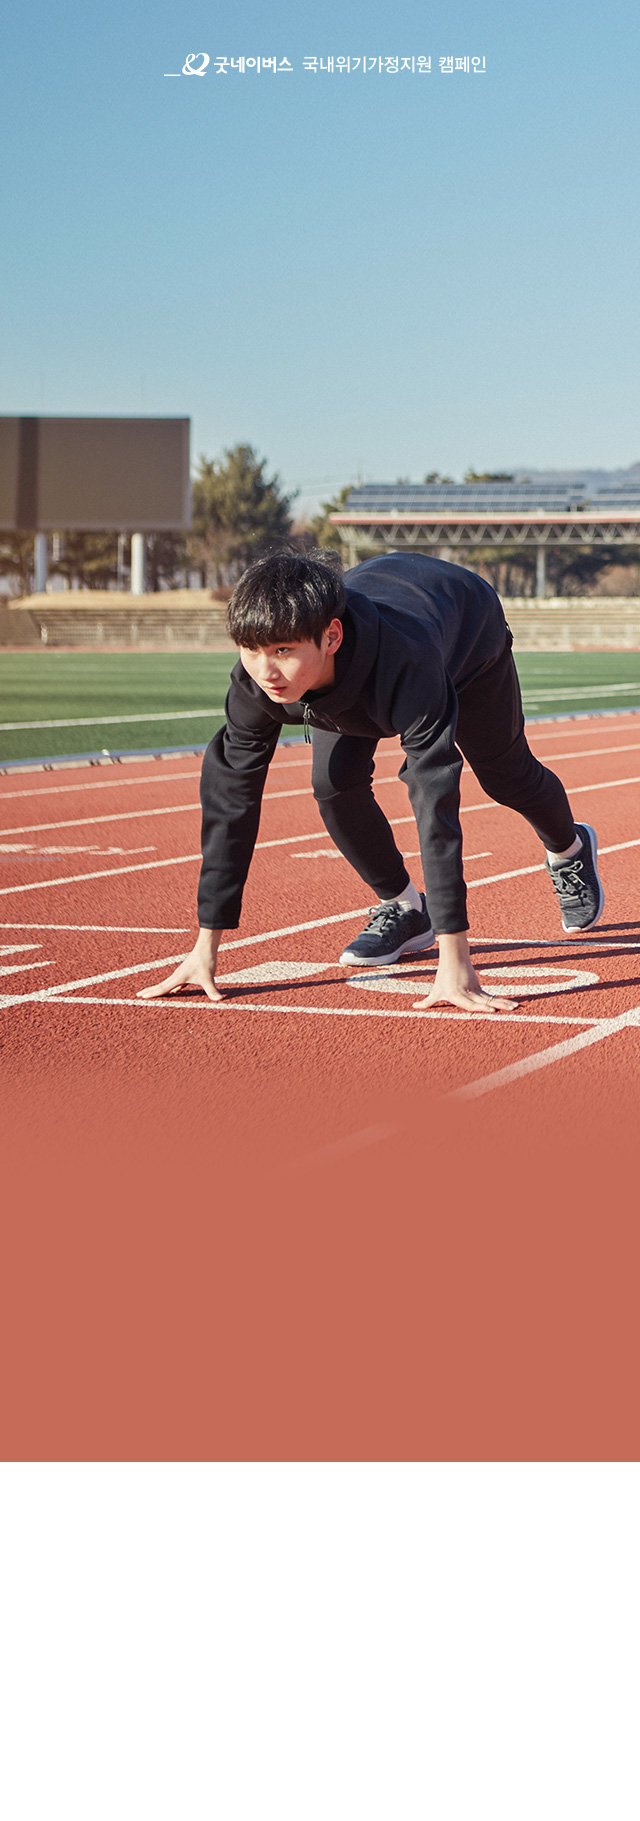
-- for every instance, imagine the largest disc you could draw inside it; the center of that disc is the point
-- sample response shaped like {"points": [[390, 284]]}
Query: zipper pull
{"points": [[306, 713]]}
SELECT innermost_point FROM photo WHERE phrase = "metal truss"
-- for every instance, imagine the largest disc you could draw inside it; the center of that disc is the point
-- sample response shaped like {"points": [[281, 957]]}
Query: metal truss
{"points": [[580, 529]]}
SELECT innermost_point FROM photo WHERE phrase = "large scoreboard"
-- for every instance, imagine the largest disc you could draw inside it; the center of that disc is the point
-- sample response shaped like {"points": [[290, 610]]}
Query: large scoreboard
{"points": [[122, 474]]}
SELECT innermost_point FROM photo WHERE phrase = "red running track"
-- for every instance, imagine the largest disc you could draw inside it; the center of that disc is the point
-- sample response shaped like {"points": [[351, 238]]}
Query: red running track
{"points": [[318, 1131]]}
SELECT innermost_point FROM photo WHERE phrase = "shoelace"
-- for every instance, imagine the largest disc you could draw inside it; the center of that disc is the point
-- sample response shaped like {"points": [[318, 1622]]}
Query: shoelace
{"points": [[571, 884], [381, 914]]}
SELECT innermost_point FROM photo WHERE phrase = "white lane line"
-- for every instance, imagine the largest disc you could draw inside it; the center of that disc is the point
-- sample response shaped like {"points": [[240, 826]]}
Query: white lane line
{"points": [[271, 935], [23, 966], [519, 871], [129, 815], [141, 815], [575, 790], [124, 815], [560, 692], [143, 866], [65, 790], [578, 790], [18, 948], [315, 1011], [592, 752], [104, 929], [618, 846], [535, 732], [66, 986], [113, 720], [106, 872], [157, 776], [542, 1059], [584, 945], [415, 853], [28, 850]]}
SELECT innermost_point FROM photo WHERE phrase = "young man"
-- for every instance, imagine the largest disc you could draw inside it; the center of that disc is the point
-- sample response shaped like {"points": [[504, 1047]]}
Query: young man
{"points": [[402, 644]]}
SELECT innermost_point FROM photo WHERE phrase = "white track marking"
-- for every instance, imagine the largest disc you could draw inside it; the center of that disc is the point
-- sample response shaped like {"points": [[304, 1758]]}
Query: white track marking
{"points": [[559, 692], [318, 1011], [66, 986], [528, 982], [543, 979], [542, 1059], [414, 853], [322, 853], [618, 846], [578, 732], [28, 850], [114, 872], [66, 790], [578, 790], [516, 873], [103, 929], [23, 966], [288, 840], [114, 720], [124, 815], [519, 871], [592, 752], [174, 809], [583, 944], [271, 935], [18, 948], [106, 872], [266, 973], [129, 815], [155, 777]]}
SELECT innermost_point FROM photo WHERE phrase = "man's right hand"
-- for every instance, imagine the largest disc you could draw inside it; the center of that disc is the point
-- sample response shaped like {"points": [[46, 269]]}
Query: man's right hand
{"points": [[197, 969]]}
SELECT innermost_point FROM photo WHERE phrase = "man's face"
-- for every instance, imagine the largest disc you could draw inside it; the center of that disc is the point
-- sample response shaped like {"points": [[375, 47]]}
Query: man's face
{"points": [[286, 672]]}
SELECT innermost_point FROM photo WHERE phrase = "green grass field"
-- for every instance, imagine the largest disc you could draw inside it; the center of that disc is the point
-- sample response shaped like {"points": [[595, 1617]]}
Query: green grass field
{"points": [[181, 695]]}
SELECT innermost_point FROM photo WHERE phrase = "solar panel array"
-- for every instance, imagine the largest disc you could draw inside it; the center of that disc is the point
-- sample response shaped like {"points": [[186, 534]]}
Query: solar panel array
{"points": [[487, 496], [616, 499]]}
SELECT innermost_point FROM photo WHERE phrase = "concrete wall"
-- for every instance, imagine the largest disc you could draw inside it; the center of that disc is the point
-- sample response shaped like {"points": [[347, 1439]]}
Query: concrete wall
{"points": [[189, 618], [180, 619], [588, 623]]}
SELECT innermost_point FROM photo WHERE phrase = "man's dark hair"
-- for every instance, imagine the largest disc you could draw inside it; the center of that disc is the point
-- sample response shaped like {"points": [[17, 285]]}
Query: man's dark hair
{"points": [[285, 597]]}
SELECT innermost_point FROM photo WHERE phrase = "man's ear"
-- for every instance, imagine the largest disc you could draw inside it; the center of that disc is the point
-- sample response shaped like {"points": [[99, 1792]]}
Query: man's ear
{"points": [[336, 635]]}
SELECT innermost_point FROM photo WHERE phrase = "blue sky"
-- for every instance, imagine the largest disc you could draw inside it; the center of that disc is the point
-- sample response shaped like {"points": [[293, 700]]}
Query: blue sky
{"points": [[368, 276]]}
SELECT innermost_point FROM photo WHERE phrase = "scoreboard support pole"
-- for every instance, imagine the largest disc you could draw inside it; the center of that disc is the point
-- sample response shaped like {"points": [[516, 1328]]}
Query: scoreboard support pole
{"points": [[40, 562], [137, 562]]}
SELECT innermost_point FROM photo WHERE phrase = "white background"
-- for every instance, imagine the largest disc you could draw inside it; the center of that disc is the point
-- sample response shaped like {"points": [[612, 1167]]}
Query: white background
{"points": [[320, 1640]]}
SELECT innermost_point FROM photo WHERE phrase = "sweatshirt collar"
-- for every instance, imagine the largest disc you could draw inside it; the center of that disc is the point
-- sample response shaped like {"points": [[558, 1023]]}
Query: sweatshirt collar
{"points": [[354, 659]]}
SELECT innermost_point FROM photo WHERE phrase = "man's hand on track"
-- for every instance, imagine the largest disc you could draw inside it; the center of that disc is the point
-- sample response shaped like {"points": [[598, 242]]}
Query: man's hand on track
{"points": [[456, 982], [197, 969]]}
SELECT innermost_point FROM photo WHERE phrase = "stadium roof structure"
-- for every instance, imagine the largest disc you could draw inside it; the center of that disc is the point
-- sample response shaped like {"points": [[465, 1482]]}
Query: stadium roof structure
{"points": [[453, 497], [457, 519]]}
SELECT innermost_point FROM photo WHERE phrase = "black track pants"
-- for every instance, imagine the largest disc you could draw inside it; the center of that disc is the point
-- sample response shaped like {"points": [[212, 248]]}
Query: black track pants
{"points": [[491, 735]]}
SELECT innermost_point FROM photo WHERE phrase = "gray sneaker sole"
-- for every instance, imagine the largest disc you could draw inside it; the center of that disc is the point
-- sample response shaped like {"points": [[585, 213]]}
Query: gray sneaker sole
{"points": [[580, 929], [348, 959]]}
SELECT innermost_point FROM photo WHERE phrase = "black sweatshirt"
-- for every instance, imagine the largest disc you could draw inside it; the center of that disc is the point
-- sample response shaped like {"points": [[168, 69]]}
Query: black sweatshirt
{"points": [[416, 630]]}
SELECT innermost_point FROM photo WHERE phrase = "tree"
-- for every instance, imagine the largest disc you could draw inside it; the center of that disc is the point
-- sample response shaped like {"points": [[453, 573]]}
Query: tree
{"points": [[433, 475], [472, 476], [237, 514], [87, 558], [16, 560], [326, 535], [167, 561]]}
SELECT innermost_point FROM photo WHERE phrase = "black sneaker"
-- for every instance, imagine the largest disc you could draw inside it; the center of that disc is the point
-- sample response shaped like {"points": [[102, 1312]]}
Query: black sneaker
{"points": [[392, 930], [577, 884]]}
